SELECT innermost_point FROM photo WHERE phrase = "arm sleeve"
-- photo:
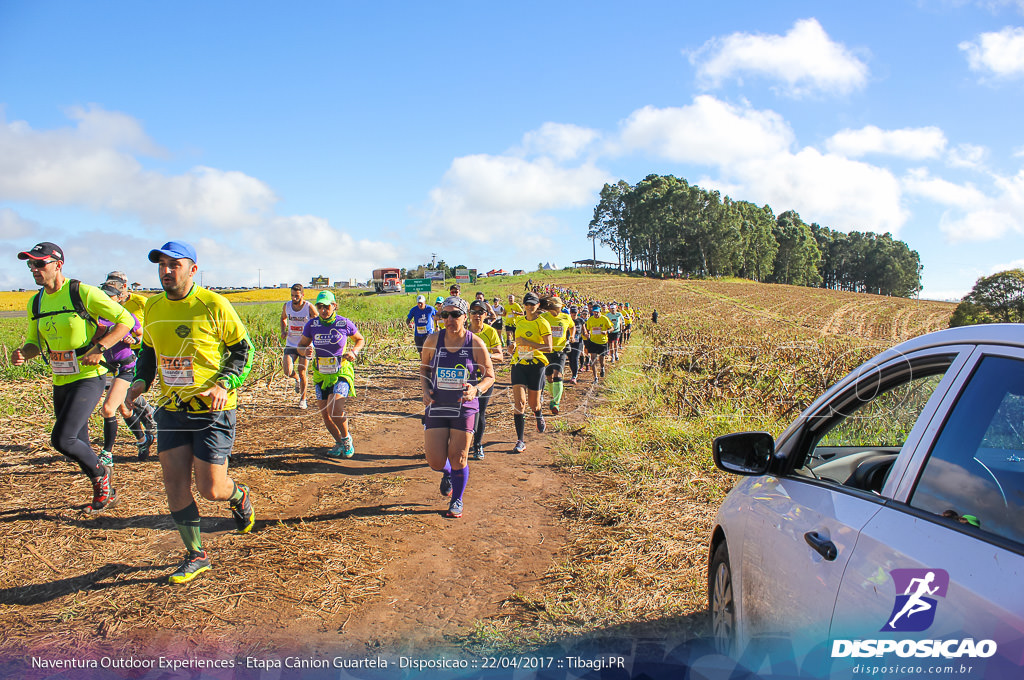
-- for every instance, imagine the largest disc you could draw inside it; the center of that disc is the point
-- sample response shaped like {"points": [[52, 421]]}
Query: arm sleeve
{"points": [[236, 359], [145, 367]]}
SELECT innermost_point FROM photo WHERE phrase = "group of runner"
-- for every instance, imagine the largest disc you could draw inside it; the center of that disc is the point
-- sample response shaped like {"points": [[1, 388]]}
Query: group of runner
{"points": [[189, 343], [458, 354]]}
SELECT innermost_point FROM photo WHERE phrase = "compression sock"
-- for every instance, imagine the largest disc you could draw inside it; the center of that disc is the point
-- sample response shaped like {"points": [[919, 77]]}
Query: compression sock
{"points": [[557, 388], [447, 466], [134, 423], [109, 433], [187, 521], [459, 479], [520, 421], [237, 494]]}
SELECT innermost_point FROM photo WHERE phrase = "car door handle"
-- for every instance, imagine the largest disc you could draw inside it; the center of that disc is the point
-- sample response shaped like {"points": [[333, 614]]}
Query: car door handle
{"points": [[825, 547]]}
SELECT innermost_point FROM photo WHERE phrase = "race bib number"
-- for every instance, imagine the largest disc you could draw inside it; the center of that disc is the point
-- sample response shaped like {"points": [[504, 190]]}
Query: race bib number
{"points": [[328, 365], [557, 331], [177, 371], [295, 332], [64, 362], [598, 332], [451, 378], [421, 330], [525, 354]]}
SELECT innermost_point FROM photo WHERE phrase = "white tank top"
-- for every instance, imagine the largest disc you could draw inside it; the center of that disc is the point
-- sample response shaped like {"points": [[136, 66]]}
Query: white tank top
{"points": [[296, 322]]}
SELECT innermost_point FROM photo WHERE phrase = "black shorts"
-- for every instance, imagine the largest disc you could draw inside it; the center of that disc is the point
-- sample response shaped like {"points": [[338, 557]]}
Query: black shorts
{"points": [[595, 348], [556, 362], [510, 328], [613, 336], [419, 340], [124, 370], [209, 435], [530, 375], [498, 324]]}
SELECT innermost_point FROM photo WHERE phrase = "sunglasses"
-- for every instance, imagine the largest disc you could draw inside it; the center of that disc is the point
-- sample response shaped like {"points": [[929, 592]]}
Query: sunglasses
{"points": [[38, 264], [478, 311], [455, 315]]}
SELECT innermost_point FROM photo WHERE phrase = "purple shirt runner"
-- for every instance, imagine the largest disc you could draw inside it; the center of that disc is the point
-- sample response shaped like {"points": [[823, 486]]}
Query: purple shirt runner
{"points": [[450, 372], [121, 352]]}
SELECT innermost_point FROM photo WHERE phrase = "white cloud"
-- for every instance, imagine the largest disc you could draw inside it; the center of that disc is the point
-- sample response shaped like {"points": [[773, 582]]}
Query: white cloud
{"points": [[558, 140], [708, 131], [990, 218], [502, 199], [915, 143], [920, 183], [805, 59], [14, 226], [229, 215], [967, 156], [831, 190], [1000, 54]]}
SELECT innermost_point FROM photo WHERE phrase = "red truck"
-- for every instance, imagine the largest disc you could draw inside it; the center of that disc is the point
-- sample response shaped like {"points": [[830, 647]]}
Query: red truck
{"points": [[387, 280]]}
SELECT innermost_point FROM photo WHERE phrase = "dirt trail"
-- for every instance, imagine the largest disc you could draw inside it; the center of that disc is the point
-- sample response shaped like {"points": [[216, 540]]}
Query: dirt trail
{"points": [[346, 554]]}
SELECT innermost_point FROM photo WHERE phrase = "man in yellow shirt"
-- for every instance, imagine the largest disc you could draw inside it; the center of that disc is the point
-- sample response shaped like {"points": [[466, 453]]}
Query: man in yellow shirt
{"points": [[562, 330], [197, 350], [532, 342]]}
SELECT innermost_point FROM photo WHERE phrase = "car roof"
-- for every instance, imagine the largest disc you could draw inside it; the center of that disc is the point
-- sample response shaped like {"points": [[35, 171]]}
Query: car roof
{"points": [[1011, 334]]}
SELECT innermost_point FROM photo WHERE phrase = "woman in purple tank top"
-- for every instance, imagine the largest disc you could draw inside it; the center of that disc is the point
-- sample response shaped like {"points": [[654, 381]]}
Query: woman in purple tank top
{"points": [[448, 363]]}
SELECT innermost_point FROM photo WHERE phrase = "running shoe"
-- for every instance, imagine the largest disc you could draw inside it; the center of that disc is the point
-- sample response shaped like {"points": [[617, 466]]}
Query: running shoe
{"points": [[103, 494], [454, 510], [541, 425], [144, 445], [519, 447], [106, 458], [572, 380], [446, 484], [302, 404], [194, 564], [334, 451], [242, 512], [346, 448], [602, 372], [554, 409], [477, 452], [297, 389]]}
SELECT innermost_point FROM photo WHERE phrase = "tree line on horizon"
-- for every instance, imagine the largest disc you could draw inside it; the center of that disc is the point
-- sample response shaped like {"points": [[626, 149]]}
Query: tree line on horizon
{"points": [[666, 226]]}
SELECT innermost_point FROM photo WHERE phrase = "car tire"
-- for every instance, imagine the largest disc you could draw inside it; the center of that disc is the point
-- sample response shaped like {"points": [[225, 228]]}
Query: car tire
{"points": [[720, 600]]}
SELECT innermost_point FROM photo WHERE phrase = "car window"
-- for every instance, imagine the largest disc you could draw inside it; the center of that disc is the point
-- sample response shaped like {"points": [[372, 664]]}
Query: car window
{"points": [[860, 440], [975, 471]]}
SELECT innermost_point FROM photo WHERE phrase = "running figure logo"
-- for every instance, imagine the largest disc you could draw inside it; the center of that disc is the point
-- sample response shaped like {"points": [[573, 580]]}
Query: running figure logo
{"points": [[914, 609]]}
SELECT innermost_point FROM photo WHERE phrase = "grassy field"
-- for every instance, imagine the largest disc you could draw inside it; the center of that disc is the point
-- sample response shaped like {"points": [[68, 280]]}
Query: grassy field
{"points": [[727, 355]]}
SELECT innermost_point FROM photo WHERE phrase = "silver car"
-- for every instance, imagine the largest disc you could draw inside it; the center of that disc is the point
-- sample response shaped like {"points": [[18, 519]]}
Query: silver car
{"points": [[885, 525]]}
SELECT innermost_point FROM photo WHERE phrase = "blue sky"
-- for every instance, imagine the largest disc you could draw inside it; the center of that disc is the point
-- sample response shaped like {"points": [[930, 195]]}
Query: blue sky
{"points": [[288, 140]]}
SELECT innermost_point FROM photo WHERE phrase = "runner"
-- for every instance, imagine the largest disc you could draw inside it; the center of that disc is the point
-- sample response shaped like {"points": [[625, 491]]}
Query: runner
{"points": [[454, 290], [512, 312], [489, 311], [120, 360], [563, 331], [576, 344], [630, 316], [499, 315], [492, 340], [197, 350], [294, 315], [596, 344], [437, 303], [532, 334], [61, 325], [136, 304], [333, 374], [451, 358], [616, 317], [420, 320]]}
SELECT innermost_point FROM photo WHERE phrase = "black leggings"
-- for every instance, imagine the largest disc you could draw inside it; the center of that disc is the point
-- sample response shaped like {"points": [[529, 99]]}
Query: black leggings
{"points": [[574, 357], [481, 418], [73, 404]]}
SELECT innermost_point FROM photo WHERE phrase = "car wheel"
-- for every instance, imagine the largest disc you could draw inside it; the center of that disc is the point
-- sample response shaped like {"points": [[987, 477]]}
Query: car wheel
{"points": [[723, 612]]}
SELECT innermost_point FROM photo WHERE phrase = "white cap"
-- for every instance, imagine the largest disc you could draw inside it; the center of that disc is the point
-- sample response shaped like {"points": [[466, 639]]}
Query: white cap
{"points": [[420, 298]]}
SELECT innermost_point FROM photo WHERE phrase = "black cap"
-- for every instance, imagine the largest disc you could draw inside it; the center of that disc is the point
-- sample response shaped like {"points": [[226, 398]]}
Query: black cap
{"points": [[42, 251], [531, 299], [478, 304]]}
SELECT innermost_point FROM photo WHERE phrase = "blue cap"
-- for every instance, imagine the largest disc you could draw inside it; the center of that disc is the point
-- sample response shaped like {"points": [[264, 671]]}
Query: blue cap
{"points": [[175, 249]]}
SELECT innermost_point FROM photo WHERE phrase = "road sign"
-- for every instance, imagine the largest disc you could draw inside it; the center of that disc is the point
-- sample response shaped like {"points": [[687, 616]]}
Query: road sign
{"points": [[417, 285]]}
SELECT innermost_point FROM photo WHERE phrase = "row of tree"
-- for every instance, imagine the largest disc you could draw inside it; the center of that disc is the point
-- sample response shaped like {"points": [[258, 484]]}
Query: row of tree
{"points": [[664, 225]]}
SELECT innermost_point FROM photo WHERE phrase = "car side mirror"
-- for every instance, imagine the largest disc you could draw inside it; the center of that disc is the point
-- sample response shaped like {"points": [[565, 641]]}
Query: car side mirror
{"points": [[744, 453]]}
